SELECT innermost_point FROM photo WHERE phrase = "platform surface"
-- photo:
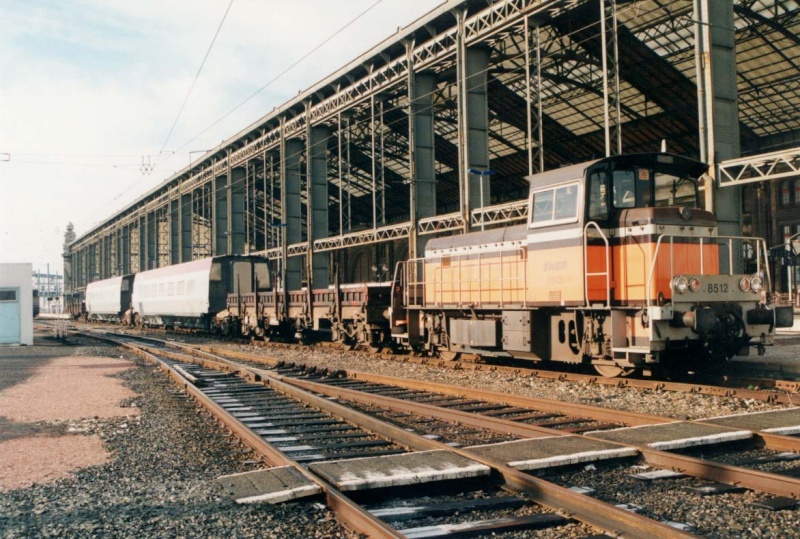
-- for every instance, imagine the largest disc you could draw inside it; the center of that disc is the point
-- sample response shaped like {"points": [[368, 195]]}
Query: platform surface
{"points": [[538, 453], [275, 485], [669, 436], [786, 422], [396, 470]]}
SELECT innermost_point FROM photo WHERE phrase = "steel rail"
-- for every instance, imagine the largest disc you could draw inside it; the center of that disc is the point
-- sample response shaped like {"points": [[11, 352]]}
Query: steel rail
{"points": [[784, 391], [753, 479], [770, 441], [349, 513], [589, 510], [776, 484]]}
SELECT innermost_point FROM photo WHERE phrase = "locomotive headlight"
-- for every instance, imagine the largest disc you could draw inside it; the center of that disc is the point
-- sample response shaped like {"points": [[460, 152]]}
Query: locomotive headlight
{"points": [[744, 284], [694, 284], [680, 284], [755, 284]]}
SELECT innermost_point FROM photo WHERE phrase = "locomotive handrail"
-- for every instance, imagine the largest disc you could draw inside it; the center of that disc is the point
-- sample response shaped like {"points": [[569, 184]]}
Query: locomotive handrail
{"points": [[760, 250], [586, 273], [412, 284]]}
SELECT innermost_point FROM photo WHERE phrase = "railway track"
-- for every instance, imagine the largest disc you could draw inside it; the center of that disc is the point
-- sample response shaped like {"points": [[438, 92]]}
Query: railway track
{"points": [[483, 427], [743, 382]]}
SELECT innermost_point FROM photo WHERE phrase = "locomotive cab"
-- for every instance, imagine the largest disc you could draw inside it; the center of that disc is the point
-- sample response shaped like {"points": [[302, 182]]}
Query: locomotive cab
{"points": [[673, 286]]}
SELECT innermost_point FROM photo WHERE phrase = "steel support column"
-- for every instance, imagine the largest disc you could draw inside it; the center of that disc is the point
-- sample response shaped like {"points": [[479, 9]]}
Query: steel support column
{"points": [[236, 204], [533, 87], [477, 124], [610, 61], [142, 237], [317, 221], [152, 240], [291, 215], [422, 163], [125, 250], [219, 211], [185, 237], [174, 230], [715, 40], [163, 236]]}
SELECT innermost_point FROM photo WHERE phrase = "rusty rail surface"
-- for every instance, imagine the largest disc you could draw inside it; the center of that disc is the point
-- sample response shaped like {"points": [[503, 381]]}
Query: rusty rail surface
{"points": [[589, 510], [765, 482]]}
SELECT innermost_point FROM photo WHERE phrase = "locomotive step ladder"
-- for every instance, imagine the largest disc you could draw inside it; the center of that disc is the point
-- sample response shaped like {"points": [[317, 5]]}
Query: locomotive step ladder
{"points": [[607, 268]]}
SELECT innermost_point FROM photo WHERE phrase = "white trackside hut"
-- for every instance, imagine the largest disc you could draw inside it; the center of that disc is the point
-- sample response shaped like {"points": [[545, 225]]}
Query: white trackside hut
{"points": [[16, 304]]}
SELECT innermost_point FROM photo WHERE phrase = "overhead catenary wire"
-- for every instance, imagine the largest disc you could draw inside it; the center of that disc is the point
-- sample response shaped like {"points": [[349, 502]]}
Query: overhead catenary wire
{"points": [[196, 77], [284, 72]]}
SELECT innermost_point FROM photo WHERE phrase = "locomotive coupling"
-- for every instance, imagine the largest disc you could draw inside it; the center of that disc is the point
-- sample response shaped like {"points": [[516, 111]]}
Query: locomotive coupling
{"points": [[700, 320], [784, 317]]}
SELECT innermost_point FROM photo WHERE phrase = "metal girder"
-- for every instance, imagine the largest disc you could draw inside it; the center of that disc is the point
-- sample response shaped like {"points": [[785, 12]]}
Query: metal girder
{"points": [[759, 168], [504, 213], [479, 27], [451, 222]]}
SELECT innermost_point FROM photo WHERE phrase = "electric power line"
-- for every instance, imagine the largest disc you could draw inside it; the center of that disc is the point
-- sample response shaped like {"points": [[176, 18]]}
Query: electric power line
{"points": [[282, 73], [197, 76]]}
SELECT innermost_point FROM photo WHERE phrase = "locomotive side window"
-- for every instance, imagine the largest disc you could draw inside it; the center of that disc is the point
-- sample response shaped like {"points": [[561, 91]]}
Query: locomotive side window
{"points": [[557, 205], [542, 206], [598, 202]]}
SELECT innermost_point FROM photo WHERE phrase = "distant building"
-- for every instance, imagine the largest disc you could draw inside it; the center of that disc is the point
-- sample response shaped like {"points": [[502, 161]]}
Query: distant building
{"points": [[771, 210], [16, 304]]}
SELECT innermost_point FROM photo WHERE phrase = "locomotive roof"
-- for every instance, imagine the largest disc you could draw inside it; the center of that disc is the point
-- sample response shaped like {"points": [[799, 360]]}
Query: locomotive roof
{"points": [[678, 163], [484, 237]]}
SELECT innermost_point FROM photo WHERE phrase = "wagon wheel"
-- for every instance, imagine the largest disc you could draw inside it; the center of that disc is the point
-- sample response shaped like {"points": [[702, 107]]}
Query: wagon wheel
{"points": [[613, 371], [449, 355]]}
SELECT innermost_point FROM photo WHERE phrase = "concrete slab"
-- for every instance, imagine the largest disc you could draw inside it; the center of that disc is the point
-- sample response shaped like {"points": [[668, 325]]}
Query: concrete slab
{"points": [[538, 453], [396, 470], [275, 485], [785, 422], [667, 436]]}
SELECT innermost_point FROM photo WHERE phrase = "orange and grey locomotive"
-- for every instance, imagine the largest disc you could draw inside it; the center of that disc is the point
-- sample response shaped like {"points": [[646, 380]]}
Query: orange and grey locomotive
{"points": [[617, 267]]}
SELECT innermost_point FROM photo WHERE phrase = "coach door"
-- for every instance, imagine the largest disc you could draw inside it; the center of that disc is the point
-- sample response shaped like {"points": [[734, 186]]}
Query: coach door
{"points": [[10, 321]]}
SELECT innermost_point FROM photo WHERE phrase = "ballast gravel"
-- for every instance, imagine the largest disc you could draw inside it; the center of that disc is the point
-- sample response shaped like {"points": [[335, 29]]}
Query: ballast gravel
{"points": [[159, 481]]}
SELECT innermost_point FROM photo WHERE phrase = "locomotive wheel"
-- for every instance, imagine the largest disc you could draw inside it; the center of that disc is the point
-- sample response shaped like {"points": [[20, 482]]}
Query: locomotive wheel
{"points": [[612, 371], [447, 355]]}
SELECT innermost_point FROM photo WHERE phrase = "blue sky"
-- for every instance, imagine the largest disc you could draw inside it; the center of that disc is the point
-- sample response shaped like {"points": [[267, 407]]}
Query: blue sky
{"points": [[89, 87]]}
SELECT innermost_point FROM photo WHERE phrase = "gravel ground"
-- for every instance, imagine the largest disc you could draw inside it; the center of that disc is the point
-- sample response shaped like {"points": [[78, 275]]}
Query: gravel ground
{"points": [[728, 515], [160, 481]]}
